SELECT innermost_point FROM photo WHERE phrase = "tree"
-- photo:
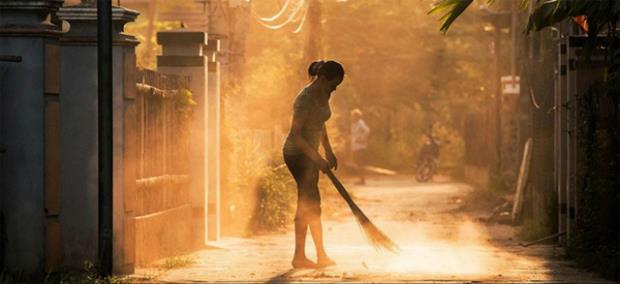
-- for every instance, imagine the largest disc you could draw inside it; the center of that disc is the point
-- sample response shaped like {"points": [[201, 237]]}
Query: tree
{"points": [[594, 235], [599, 15]]}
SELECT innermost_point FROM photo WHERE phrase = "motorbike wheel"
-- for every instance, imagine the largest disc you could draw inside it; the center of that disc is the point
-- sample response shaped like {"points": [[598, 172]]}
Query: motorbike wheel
{"points": [[424, 172]]}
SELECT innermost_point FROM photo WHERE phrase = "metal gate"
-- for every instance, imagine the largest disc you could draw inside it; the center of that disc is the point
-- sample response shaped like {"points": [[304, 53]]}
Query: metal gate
{"points": [[575, 72]]}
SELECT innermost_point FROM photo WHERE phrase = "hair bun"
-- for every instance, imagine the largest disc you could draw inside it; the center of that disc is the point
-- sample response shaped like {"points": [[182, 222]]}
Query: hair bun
{"points": [[313, 69]]}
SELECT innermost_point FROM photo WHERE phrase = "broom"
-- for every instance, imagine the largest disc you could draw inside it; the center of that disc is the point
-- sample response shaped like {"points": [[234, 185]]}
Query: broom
{"points": [[377, 238]]}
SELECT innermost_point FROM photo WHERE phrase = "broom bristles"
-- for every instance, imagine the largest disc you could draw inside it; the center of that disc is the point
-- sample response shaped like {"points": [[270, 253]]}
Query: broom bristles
{"points": [[377, 238], [374, 236]]}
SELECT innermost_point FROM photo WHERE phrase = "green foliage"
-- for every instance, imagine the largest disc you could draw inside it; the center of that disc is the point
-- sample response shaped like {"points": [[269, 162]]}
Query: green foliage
{"points": [[598, 12], [148, 49], [184, 102], [245, 166], [452, 150], [500, 182], [276, 201], [274, 71], [545, 14], [452, 9], [399, 131], [404, 76]]}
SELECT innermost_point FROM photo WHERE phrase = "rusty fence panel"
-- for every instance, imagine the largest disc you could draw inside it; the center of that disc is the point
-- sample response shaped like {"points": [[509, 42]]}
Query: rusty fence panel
{"points": [[163, 210]]}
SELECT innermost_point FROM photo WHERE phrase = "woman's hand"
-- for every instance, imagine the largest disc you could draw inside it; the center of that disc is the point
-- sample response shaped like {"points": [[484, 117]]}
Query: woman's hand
{"points": [[331, 158], [322, 164]]}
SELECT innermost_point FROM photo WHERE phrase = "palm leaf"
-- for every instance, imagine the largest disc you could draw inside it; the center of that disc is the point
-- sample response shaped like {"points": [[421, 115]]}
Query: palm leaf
{"points": [[452, 9], [551, 12]]}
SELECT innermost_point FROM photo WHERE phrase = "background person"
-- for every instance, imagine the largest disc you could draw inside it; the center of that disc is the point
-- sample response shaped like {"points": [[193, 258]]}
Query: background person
{"points": [[359, 142]]}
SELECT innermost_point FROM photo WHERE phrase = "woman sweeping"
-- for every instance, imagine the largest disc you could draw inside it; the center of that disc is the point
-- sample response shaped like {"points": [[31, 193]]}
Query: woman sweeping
{"points": [[310, 111]]}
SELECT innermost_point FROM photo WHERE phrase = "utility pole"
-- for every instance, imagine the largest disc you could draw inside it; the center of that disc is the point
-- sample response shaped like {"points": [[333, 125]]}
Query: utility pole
{"points": [[498, 97], [152, 14], [519, 122], [104, 108], [314, 41], [499, 20], [513, 32]]}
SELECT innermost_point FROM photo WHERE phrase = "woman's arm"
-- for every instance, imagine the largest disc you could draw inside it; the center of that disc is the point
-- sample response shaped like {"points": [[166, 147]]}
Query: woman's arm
{"points": [[329, 153], [325, 141]]}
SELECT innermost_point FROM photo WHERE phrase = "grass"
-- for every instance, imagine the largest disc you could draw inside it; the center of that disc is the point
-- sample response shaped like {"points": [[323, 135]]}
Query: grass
{"points": [[87, 275], [484, 199], [176, 262], [532, 230], [500, 183]]}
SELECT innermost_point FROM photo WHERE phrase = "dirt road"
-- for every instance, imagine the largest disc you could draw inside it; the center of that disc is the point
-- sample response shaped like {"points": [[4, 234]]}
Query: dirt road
{"points": [[438, 242]]}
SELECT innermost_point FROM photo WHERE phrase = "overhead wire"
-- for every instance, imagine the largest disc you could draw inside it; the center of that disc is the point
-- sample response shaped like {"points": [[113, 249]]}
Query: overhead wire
{"points": [[288, 20], [303, 20], [530, 81], [277, 15]]}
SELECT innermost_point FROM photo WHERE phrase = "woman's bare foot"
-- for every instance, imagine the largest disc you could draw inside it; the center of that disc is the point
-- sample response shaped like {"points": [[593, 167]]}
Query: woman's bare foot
{"points": [[303, 262], [325, 262]]}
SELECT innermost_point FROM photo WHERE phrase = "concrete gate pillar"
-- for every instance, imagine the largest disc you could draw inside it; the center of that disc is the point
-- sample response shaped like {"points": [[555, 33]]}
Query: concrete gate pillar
{"points": [[29, 136], [184, 54], [79, 133], [213, 139]]}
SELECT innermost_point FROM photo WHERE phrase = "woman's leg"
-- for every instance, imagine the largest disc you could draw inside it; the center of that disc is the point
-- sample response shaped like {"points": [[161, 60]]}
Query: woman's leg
{"points": [[313, 197], [297, 168], [316, 229], [299, 259], [360, 162]]}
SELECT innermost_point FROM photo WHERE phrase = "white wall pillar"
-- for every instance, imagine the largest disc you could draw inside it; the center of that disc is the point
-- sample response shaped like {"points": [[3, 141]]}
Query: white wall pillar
{"points": [[213, 140], [184, 54]]}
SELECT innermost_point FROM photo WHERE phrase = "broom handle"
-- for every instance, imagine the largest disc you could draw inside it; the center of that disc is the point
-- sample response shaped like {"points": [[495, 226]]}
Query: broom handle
{"points": [[341, 189]]}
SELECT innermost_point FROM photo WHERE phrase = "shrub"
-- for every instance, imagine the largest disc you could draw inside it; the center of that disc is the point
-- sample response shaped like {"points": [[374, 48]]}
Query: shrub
{"points": [[276, 200], [500, 183]]}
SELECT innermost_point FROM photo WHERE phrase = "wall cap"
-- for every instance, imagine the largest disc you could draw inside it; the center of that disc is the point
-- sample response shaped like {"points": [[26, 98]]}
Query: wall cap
{"points": [[182, 37]]}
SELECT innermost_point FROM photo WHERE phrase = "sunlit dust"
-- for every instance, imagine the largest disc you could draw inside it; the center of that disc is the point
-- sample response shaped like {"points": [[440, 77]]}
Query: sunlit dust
{"points": [[427, 251], [467, 254]]}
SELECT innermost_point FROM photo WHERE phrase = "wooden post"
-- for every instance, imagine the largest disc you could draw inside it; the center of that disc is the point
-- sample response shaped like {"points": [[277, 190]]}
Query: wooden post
{"points": [[524, 172]]}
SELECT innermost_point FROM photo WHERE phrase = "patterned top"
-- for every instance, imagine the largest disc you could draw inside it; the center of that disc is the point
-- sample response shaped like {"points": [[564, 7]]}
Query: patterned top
{"points": [[359, 135], [307, 105]]}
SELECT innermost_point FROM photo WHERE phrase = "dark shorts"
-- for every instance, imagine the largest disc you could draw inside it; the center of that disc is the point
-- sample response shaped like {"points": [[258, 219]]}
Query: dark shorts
{"points": [[306, 175]]}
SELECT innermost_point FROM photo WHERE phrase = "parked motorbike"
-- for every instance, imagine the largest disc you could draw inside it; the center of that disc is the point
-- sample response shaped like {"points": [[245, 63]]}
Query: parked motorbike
{"points": [[428, 160]]}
